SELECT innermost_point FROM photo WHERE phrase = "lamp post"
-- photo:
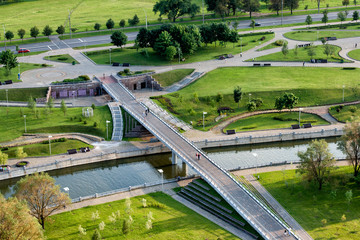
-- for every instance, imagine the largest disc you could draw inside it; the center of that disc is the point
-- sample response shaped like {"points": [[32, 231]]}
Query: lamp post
{"points": [[203, 11], [179, 53], [241, 45], [50, 144], [25, 122], [300, 109], [256, 155], [204, 120], [110, 54], [7, 98], [107, 129], [343, 93], [145, 18], [249, 97], [19, 72], [282, 6], [162, 179], [152, 86]]}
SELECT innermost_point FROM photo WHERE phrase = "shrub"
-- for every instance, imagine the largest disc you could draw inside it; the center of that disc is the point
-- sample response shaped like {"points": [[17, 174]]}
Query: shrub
{"points": [[262, 38], [156, 205], [279, 42], [306, 7], [93, 106], [85, 122], [84, 77], [62, 58], [352, 109], [126, 71], [192, 112], [95, 124], [251, 106], [258, 102]]}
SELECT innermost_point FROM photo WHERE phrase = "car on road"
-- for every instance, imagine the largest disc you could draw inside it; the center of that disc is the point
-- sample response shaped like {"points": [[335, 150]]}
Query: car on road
{"points": [[23, 50], [257, 24]]}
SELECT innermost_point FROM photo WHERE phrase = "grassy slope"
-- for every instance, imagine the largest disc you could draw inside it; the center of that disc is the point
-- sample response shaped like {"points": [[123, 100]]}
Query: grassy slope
{"points": [[203, 53], [58, 58], [171, 77], [302, 56], [309, 206], [267, 121], [26, 41], [345, 114], [314, 35], [22, 94], [40, 149], [270, 46], [14, 72], [355, 54], [12, 125], [175, 221], [267, 84]]}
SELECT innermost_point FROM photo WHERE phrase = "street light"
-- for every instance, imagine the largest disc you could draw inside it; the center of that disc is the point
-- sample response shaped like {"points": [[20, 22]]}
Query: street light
{"points": [[110, 54], [204, 120], [162, 179], [152, 86], [25, 122], [249, 97], [256, 155], [203, 11], [282, 7], [300, 109], [145, 18], [343, 93], [241, 45], [19, 72], [50, 144], [107, 129], [7, 98]]}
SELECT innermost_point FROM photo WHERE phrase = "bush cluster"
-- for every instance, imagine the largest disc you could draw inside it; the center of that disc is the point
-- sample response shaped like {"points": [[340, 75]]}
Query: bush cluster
{"points": [[55, 140]]}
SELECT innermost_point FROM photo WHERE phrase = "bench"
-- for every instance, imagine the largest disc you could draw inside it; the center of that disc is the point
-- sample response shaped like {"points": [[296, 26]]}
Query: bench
{"points": [[307, 125], [330, 38], [71, 151], [295, 126], [267, 64], [116, 64], [256, 65], [229, 132], [126, 65], [83, 149], [8, 82]]}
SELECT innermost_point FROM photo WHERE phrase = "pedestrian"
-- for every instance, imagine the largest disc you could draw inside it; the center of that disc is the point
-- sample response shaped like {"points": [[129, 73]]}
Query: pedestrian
{"points": [[240, 54], [285, 232], [144, 115], [355, 45], [198, 155], [303, 64]]}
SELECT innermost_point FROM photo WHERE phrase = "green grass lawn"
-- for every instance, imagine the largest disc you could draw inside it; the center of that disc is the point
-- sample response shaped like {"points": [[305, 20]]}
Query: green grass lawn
{"points": [[169, 78], [12, 122], [29, 53], [313, 86], [316, 35], [22, 94], [355, 54], [274, 121], [310, 206], [14, 72], [203, 53], [23, 42], [42, 149], [270, 46], [94, 46], [173, 221], [302, 56], [345, 113], [64, 58]]}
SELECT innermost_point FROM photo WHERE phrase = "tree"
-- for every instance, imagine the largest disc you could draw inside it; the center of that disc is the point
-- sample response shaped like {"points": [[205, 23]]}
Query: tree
{"points": [[237, 95], [329, 50], [251, 6], [311, 52], [285, 49], [42, 195], [162, 42], [143, 38], [8, 59], [288, 100], [355, 2], [110, 24], [219, 98], [291, 4], [96, 235], [275, 5], [325, 18], [126, 226], [34, 32], [341, 16], [60, 30], [252, 24], [47, 31], [63, 107], [50, 103], [251, 106], [3, 158], [16, 222], [134, 21], [345, 3], [9, 35], [118, 38], [21, 33], [349, 144], [174, 9], [31, 104], [296, 50], [318, 4], [355, 15], [170, 52], [97, 26], [316, 162], [221, 8], [233, 37], [122, 23], [308, 20], [19, 153]]}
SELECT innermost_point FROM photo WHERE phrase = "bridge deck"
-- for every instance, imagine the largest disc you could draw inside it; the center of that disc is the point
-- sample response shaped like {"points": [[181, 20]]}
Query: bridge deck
{"points": [[233, 193]]}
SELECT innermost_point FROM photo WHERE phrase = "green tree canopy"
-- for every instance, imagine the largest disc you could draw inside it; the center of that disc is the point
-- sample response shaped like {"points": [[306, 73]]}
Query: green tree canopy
{"points": [[9, 35], [47, 30], [291, 4], [355, 15], [118, 38], [237, 94], [21, 33], [174, 9], [308, 20], [250, 6], [110, 24], [60, 30], [8, 59], [275, 5], [34, 32], [97, 26]]}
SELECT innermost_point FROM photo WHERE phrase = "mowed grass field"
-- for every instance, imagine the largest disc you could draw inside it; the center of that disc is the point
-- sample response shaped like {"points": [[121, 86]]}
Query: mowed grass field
{"points": [[171, 221], [13, 75], [168, 78], [314, 35], [355, 54], [346, 113], [309, 206], [313, 86], [12, 122]]}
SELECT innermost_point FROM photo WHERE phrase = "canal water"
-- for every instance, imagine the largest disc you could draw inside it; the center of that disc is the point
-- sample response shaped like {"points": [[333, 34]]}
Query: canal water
{"points": [[116, 174]]}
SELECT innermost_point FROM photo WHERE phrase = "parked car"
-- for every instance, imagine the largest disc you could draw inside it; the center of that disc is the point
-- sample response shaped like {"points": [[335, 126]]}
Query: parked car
{"points": [[256, 24], [23, 50]]}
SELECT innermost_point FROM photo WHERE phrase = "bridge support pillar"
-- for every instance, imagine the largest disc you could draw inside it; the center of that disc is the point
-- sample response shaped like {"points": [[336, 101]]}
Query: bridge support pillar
{"points": [[174, 158], [184, 168]]}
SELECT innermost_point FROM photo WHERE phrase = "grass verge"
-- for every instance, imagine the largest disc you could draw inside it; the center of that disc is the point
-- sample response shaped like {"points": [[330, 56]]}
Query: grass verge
{"points": [[171, 220], [355, 54], [169, 78], [13, 75], [316, 35], [64, 58], [271, 46], [345, 113], [22, 94], [26, 41]]}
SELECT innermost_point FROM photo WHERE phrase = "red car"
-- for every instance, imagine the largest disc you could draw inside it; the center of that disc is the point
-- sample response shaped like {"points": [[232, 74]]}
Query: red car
{"points": [[23, 50]]}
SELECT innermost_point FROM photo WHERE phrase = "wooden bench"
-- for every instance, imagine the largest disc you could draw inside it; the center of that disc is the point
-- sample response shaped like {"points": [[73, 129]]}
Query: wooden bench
{"points": [[256, 65], [229, 132], [8, 82], [295, 126], [116, 64], [267, 64], [126, 65], [71, 151], [307, 125]]}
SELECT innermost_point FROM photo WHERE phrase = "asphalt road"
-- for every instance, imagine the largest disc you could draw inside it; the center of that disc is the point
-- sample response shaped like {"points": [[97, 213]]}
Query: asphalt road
{"points": [[55, 43]]}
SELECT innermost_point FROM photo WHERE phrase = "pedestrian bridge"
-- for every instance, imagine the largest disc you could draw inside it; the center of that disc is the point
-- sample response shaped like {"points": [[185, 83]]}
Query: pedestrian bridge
{"points": [[257, 215]]}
